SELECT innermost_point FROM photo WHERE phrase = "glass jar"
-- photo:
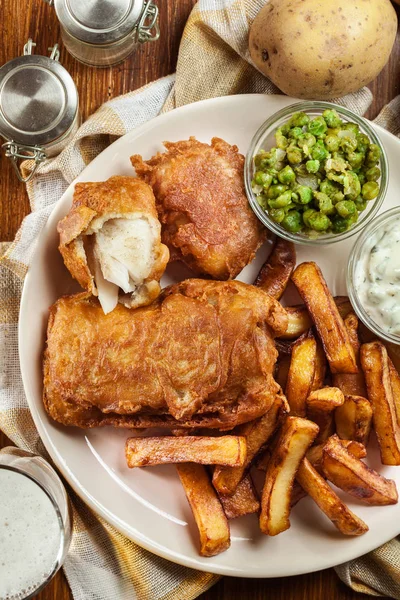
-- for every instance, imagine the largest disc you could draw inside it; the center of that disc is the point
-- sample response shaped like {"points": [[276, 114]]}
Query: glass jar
{"points": [[101, 33], [38, 107], [361, 277], [35, 523]]}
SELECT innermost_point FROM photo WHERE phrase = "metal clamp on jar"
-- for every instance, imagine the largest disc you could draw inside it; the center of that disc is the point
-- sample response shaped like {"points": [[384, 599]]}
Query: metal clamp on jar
{"points": [[102, 33], [38, 107]]}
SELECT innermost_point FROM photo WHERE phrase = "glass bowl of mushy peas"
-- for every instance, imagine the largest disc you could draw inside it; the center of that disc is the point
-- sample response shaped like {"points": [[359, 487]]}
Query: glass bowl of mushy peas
{"points": [[316, 173]]}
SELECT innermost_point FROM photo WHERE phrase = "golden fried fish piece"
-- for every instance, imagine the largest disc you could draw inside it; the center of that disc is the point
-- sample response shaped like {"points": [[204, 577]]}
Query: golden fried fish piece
{"points": [[201, 354], [111, 241], [206, 219]]}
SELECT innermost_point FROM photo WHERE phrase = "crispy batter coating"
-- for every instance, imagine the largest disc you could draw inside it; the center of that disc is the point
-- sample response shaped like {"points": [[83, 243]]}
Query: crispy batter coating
{"points": [[93, 205], [201, 354], [202, 205]]}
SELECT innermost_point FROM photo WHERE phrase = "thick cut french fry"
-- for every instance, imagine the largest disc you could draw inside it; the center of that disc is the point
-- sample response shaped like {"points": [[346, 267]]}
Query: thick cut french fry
{"points": [[315, 486], [354, 477], [301, 374], [352, 384], [282, 370], [354, 419], [320, 368], [314, 454], [375, 364], [321, 405], [312, 287], [296, 436], [297, 494], [299, 320], [275, 273], [324, 400], [207, 509], [257, 434], [149, 451], [243, 502], [395, 383]]}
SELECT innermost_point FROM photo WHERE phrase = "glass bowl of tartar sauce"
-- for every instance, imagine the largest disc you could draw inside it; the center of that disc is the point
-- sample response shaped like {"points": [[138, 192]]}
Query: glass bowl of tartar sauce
{"points": [[373, 276]]}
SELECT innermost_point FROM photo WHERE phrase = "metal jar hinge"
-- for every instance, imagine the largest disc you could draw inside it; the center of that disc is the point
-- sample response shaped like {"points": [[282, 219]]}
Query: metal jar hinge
{"points": [[19, 152], [16, 151], [148, 28]]}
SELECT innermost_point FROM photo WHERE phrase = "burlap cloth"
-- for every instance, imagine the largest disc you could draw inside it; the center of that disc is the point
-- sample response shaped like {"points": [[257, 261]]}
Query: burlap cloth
{"points": [[213, 61]]}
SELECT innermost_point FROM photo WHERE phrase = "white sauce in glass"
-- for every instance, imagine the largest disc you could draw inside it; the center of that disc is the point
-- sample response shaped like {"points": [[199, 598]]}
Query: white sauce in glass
{"points": [[30, 536], [377, 278]]}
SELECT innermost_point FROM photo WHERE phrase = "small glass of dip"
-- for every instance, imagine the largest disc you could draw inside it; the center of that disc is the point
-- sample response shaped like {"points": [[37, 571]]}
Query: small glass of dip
{"points": [[373, 276], [35, 525]]}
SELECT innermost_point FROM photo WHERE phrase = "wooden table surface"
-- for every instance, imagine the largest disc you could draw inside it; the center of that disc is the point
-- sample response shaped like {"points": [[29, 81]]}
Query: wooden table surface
{"points": [[35, 19]]}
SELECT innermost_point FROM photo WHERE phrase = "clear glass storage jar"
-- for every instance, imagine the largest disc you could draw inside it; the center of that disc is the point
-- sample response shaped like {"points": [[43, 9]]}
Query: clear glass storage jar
{"points": [[101, 33], [38, 107]]}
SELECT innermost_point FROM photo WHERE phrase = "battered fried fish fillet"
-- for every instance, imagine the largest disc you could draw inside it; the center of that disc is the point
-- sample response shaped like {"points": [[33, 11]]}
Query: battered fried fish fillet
{"points": [[201, 355], [111, 242], [202, 205]]}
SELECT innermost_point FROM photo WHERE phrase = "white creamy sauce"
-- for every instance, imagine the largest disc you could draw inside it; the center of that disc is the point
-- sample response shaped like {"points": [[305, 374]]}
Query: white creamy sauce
{"points": [[30, 536], [378, 278]]}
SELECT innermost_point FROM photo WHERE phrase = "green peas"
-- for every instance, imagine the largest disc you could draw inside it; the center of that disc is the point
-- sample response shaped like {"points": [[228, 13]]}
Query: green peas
{"points": [[306, 216], [299, 119], [262, 201], [277, 214], [362, 143], [352, 185], [319, 176], [337, 163], [295, 133], [332, 119], [372, 174], [312, 166], [284, 129], [305, 141], [373, 155], [370, 190], [360, 203], [292, 221], [332, 142], [262, 178], [328, 187], [349, 126], [281, 201], [348, 143], [287, 175], [294, 155], [361, 178], [346, 208], [319, 222], [319, 152], [276, 190], [317, 126], [355, 159], [324, 203], [339, 224], [305, 194]]}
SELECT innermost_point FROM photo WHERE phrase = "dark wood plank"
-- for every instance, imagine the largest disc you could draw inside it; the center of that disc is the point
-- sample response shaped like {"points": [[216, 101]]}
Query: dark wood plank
{"points": [[37, 20]]}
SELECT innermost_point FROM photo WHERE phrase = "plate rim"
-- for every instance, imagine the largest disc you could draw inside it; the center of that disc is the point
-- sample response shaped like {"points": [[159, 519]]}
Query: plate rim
{"points": [[84, 495]]}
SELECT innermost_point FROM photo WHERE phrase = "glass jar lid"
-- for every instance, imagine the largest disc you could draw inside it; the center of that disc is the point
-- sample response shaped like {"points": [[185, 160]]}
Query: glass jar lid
{"points": [[38, 100], [99, 21]]}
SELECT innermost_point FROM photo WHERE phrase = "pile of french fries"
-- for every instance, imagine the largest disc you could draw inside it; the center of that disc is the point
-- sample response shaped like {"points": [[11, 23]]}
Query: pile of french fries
{"points": [[334, 391]]}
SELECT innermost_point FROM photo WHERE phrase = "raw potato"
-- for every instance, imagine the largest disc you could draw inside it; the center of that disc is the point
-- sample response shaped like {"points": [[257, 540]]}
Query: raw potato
{"points": [[322, 49]]}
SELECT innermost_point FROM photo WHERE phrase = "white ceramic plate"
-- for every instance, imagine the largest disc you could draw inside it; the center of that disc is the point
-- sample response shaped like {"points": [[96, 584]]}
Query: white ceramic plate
{"points": [[149, 505]]}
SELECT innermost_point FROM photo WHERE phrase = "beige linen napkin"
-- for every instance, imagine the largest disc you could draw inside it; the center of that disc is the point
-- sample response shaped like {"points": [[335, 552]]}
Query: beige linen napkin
{"points": [[213, 61]]}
